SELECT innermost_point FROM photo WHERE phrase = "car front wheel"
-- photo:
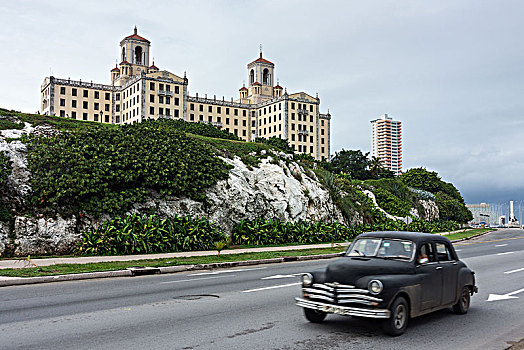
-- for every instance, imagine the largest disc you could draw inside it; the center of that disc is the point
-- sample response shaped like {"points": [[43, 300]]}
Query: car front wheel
{"points": [[314, 315], [462, 306], [398, 322]]}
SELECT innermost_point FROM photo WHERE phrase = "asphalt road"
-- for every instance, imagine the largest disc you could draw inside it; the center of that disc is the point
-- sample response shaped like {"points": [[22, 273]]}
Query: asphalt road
{"points": [[253, 308]]}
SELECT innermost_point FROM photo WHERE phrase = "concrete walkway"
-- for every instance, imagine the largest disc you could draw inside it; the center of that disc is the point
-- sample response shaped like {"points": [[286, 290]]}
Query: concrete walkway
{"points": [[20, 263]]}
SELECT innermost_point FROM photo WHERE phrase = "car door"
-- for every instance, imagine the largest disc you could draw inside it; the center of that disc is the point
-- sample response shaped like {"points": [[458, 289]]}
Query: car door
{"points": [[448, 263], [430, 276]]}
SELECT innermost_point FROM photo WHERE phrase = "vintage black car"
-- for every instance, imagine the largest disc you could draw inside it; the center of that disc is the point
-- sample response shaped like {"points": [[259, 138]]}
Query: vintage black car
{"points": [[390, 276]]}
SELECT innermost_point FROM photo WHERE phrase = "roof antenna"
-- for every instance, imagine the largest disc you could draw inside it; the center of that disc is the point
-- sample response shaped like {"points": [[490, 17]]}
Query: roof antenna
{"points": [[260, 50], [136, 30]]}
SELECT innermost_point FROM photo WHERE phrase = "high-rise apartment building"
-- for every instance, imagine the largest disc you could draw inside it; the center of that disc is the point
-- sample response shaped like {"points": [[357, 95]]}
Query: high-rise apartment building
{"points": [[141, 91], [386, 142]]}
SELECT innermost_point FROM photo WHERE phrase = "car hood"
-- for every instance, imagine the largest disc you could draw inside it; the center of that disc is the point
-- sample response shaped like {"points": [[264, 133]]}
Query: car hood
{"points": [[348, 270]]}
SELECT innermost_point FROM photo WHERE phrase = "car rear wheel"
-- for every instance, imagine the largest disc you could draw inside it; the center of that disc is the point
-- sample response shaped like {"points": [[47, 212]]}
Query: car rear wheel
{"points": [[314, 315], [462, 306], [398, 322]]}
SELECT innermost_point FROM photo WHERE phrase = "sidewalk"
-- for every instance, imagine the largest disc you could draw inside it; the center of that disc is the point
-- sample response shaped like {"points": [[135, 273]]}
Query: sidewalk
{"points": [[19, 263]]}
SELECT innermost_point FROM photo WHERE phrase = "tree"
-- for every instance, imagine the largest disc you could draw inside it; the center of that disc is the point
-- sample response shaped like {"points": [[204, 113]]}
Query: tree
{"points": [[352, 162]]}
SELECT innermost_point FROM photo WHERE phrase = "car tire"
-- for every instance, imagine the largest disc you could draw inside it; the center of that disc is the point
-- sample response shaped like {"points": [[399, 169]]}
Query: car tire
{"points": [[398, 322], [462, 305], [314, 316]]}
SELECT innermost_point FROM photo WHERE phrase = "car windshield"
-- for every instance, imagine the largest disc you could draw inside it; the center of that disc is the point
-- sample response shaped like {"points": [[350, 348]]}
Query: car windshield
{"points": [[382, 248]]}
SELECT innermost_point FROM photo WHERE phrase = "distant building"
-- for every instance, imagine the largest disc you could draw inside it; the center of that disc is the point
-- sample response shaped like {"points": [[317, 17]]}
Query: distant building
{"points": [[141, 91], [386, 142], [481, 213]]}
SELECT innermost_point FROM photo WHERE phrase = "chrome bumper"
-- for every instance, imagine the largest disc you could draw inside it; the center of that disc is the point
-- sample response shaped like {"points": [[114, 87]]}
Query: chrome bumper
{"points": [[343, 310]]}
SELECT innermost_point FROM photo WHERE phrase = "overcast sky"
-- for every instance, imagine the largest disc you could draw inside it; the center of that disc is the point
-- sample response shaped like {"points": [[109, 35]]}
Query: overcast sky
{"points": [[451, 71]]}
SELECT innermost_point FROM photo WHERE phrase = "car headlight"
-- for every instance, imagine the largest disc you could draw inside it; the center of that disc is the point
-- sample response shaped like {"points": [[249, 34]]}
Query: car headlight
{"points": [[375, 286], [307, 279]]}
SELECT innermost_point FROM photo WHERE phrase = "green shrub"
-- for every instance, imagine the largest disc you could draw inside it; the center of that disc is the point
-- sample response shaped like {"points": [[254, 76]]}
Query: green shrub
{"points": [[140, 234], [276, 142], [105, 170], [6, 124], [203, 129]]}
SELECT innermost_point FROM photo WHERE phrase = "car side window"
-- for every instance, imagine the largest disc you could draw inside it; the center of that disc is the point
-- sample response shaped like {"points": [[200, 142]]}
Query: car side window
{"points": [[426, 254], [443, 252]]}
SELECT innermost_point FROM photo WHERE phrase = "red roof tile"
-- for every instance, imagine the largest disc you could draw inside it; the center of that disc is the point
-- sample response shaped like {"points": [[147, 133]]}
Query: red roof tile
{"points": [[260, 59], [116, 68], [124, 62], [154, 67], [137, 37], [278, 87], [243, 88], [256, 83]]}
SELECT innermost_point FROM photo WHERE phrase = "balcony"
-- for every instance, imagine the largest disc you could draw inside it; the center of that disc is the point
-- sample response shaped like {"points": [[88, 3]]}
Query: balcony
{"points": [[164, 116], [165, 93], [302, 111], [217, 124], [303, 132]]}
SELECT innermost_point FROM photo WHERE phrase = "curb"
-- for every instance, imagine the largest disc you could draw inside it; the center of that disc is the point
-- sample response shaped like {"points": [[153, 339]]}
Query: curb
{"points": [[16, 281]]}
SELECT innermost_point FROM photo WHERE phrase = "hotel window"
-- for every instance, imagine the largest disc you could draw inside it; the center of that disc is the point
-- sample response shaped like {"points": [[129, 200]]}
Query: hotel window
{"points": [[168, 87], [322, 123], [62, 102], [311, 128], [311, 118], [62, 90], [243, 132], [191, 106], [107, 118], [73, 114], [322, 151], [108, 96], [311, 108], [201, 118], [117, 97], [311, 140], [292, 126], [97, 94], [117, 108], [322, 140], [201, 108], [152, 110], [219, 109], [177, 101], [292, 105], [168, 112], [62, 114], [311, 149], [210, 109], [300, 147], [244, 113], [86, 93], [168, 100], [227, 120], [160, 86], [253, 123], [299, 118], [321, 131], [292, 137], [107, 107], [236, 111], [96, 106], [160, 110], [84, 104], [244, 123], [177, 90], [236, 121], [152, 86], [191, 117], [160, 99], [84, 116], [176, 113], [73, 92], [227, 111], [292, 116]]}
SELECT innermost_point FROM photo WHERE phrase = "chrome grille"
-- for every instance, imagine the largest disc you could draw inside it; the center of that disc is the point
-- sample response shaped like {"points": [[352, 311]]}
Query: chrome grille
{"points": [[339, 294]]}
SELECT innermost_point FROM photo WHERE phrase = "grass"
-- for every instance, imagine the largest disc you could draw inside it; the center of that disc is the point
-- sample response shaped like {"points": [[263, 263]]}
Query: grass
{"points": [[467, 233], [60, 269]]}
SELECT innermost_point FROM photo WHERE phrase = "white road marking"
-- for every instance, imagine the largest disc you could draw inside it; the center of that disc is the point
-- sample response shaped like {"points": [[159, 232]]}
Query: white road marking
{"points": [[494, 297], [513, 271], [225, 271], [197, 279], [281, 276], [501, 245], [458, 250], [505, 253], [272, 287]]}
